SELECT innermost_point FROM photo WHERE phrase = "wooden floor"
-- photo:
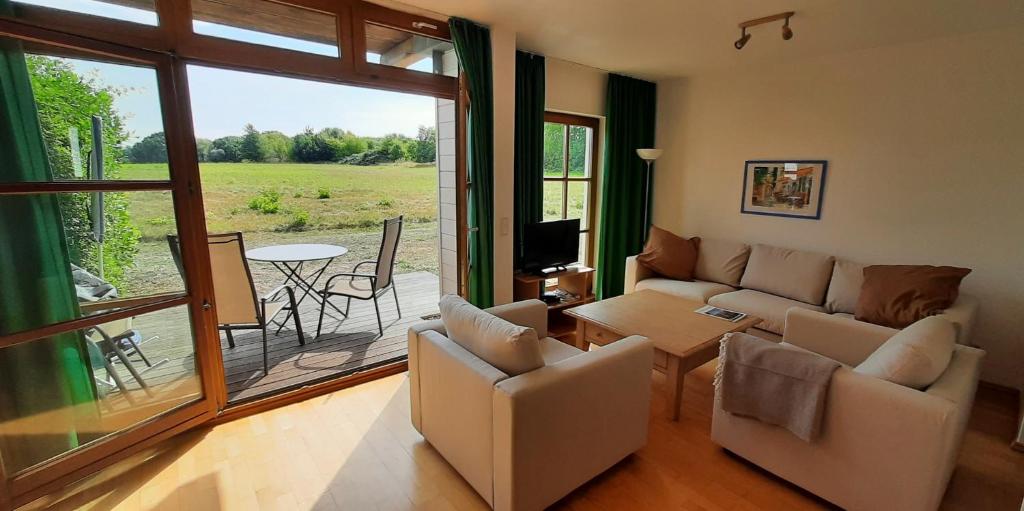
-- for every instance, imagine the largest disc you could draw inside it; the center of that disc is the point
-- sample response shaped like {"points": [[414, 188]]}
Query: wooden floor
{"points": [[355, 449], [346, 345]]}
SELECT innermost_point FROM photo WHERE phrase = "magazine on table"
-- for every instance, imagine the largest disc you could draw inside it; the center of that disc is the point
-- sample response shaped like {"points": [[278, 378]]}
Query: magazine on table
{"points": [[720, 313]]}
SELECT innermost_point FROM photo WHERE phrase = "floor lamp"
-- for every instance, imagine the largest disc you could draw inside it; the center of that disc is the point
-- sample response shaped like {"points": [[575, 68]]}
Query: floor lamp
{"points": [[648, 155]]}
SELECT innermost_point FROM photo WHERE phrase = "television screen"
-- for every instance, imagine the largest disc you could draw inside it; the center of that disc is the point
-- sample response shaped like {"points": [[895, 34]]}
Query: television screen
{"points": [[551, 244]]}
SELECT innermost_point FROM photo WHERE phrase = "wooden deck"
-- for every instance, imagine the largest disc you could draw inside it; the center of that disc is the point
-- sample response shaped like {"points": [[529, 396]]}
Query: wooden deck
{"points": [[346, 346]]}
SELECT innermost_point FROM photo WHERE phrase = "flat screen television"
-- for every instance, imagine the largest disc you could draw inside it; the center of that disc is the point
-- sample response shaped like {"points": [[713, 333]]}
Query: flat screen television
{"points": [[553, 244]]}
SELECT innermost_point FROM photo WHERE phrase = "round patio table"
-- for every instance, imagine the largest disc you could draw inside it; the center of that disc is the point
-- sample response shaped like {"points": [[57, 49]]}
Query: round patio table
{"points": [[290, 260]]}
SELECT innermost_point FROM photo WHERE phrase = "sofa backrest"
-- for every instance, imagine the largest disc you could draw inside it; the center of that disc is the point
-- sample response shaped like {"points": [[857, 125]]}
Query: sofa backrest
{"points": [[844, 288], [721, 261], [795, 274]]}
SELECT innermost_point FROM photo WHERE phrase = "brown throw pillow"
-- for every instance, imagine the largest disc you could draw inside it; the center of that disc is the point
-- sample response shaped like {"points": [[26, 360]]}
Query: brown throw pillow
{"points": [[669, 255], [897, 295]]}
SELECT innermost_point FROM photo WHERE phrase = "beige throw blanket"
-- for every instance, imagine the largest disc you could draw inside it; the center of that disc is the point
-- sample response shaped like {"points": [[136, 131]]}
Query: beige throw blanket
{"points": [[774, 384]]}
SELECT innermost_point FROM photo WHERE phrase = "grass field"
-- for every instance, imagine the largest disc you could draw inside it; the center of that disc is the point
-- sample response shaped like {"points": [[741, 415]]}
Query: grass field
{"points": [[340, 204]]}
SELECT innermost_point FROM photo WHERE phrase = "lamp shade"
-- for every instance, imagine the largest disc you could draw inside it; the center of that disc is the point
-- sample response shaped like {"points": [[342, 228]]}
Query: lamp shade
{"points": [[649, 154]]}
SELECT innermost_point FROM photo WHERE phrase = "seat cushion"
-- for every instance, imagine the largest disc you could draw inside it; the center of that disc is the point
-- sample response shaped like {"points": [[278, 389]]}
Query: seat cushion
{"points": [[699, 290], [356, 288], [916, 356], [844, 288], [770, 308], [554, 351], [721, 261], [511, 348], [790, 273]]}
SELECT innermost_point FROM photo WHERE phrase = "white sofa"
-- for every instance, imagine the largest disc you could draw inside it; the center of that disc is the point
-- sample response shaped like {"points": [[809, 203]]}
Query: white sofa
{"points": [[883, 445], [767, 281], [524, 442]]}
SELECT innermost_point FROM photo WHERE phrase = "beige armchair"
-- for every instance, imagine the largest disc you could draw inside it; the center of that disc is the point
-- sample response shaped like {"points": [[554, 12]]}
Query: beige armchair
{"points": [[524, 442], [883, 445]]}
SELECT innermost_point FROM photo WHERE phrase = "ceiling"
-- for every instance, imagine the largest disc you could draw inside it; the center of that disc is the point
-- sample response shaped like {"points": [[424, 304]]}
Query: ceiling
{"points": [[658, 39]]}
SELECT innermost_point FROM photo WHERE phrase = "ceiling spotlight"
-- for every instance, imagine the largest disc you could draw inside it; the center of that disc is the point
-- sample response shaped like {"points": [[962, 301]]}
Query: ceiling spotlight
{"points": [[787, 33], [742, 41]]}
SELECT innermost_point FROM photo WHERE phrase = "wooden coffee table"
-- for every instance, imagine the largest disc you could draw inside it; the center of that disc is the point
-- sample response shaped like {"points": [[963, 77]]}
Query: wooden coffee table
{"points": [[683, 339]]}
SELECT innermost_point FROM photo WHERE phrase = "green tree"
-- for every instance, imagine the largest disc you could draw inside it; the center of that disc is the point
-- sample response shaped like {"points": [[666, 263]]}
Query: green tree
{"points": [[231, 147], [423, 149], [554, 148], [278, 146], [67, 101], [203, 147], [152, 149], [253, 148]]}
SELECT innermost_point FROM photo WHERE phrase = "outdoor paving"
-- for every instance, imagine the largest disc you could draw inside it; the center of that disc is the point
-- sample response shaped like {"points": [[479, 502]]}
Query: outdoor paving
{"points": [[345, 346]]}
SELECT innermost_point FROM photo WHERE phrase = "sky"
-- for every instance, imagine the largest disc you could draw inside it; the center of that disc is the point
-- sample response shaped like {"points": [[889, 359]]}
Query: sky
{"points": [[224, 101]]}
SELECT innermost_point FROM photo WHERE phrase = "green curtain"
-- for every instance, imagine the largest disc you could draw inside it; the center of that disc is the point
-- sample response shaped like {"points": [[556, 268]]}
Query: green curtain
{"points": [[41, 378], [529, 162], [629, 126], [473, 47]]}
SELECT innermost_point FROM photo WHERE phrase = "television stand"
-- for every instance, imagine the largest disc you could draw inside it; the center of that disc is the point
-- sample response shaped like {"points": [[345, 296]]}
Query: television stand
{"points": [[576, 280]]}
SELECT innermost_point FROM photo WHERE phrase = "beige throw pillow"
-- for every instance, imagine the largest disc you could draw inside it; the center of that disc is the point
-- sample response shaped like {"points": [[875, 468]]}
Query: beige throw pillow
{"points": [[844, 288], [916, 356], [511, 348], [721, 261], [794, 274]]}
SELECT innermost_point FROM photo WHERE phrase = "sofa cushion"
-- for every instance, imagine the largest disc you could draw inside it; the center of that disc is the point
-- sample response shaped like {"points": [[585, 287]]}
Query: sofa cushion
{"points": [[844, 288], [698, 290], [790, 273], [554, 351], [721, 261], [916, 356], [899, 295], [669, 255], [511, 348], [770, 308]]}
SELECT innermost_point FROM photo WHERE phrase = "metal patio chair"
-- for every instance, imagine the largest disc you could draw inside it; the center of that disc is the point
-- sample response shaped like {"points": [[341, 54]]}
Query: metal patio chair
{"points": [[367, 286], [238, 305]]}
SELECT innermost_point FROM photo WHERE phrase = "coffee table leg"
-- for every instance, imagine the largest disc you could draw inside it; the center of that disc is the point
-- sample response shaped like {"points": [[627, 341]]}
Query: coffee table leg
{"points": [[676, 376], [581, 342]]}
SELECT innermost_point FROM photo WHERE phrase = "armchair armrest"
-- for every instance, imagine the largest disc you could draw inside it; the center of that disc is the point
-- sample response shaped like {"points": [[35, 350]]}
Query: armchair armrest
{"points": [[560, 425], [528, 313], [635, 272], [842, 339], [355, 269]]}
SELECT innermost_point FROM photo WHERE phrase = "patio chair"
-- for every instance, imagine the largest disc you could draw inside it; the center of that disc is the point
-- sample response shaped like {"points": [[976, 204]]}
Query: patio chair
{"points": [[367, 286], [238, 306]]}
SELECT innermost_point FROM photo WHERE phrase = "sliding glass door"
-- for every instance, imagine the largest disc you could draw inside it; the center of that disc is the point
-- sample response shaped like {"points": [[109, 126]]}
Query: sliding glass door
{"points": [[105, 341]]}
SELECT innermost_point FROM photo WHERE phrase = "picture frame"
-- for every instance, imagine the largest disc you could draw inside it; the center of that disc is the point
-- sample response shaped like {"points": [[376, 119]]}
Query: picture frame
{"points": [[786, 188]]}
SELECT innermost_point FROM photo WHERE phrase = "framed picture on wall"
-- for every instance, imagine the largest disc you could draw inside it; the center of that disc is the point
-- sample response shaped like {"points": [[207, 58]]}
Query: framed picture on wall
{"points": [[790, 188]]}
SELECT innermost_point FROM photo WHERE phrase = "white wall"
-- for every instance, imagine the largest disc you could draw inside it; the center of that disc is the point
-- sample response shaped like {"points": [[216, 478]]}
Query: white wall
{"points": [[925, 144], [503, 50]]}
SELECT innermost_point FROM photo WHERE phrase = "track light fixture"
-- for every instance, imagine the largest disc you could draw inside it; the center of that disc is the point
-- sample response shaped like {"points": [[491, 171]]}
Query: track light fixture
{"points": [[787, 33]]}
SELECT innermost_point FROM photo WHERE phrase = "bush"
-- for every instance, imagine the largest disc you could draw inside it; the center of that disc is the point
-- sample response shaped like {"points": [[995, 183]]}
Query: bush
{"points": [[323, 193], [267, 202], [385, 203], [299, 222], [297, 195]]}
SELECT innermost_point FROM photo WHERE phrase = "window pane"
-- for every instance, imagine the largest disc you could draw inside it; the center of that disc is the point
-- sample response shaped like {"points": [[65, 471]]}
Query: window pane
{"points": [[99, 120], [580, 140], [70, 390], [267, 23], [554, 149], [398, 48], [584, 239], [123, 254], [578, 201], [553, 200], [135, 11]]}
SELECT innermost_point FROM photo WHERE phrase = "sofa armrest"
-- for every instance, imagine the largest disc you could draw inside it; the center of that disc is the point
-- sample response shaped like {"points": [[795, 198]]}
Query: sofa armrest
{"points": [[528, 313], [415, 331], [559, 426], [842, 339], [963, 314], [635, 272]]}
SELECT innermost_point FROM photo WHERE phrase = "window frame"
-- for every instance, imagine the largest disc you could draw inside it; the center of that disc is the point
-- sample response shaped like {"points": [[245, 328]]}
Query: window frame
{"points": [[590, 179]]}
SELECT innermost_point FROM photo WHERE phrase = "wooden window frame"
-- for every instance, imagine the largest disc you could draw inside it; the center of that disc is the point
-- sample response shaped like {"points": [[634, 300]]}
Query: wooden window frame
{"points": [[183, 183], [594, 124]]}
